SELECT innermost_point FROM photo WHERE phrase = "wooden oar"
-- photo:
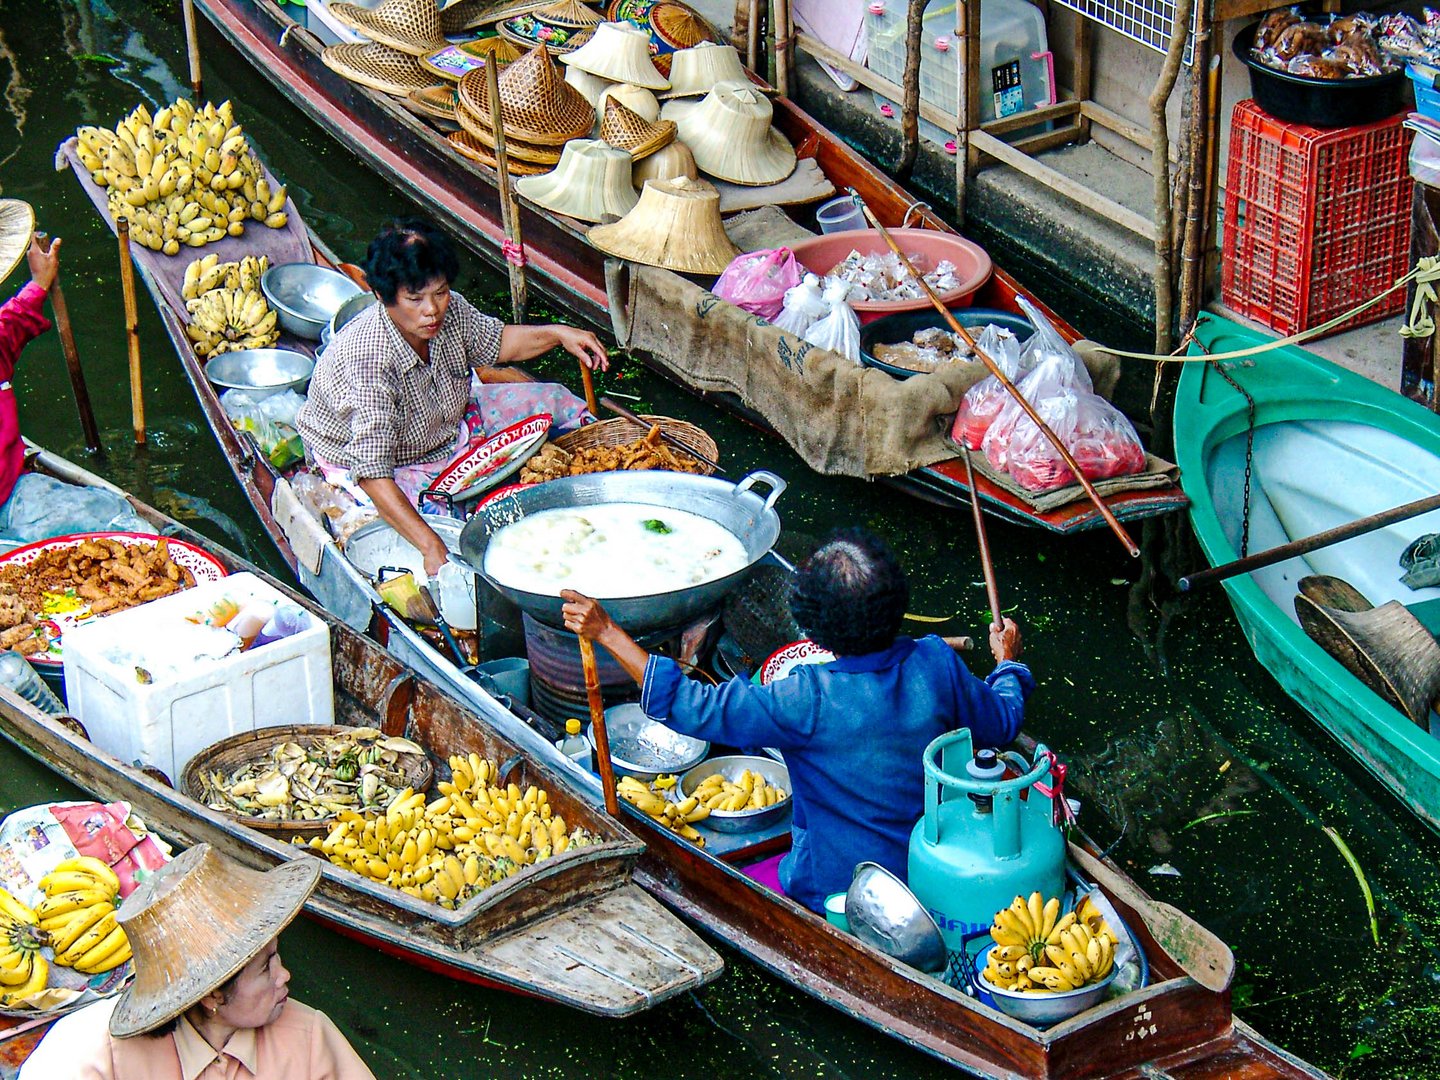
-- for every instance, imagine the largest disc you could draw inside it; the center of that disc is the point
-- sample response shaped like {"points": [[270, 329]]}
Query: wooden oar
{"points": [[72, 358], [679, 444], [1010, 388], [514, 249], [1310, 543], [192, 49], [132, 330], [597, 725], [992, 591]]}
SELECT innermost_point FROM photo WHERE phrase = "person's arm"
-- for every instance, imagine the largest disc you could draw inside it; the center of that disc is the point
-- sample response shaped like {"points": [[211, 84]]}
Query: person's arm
{"points": [[994, 707], [521, 343], [22, 318], [401, 516]]}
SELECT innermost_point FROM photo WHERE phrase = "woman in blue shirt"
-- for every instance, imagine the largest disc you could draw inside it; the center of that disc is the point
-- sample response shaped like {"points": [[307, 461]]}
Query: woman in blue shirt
{"points": [[853, 730]]}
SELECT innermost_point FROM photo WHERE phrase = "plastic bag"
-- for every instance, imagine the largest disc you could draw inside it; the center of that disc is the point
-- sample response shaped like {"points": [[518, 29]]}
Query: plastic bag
{"points": [[804, 304], [1098, 435], [41, 506], [1054, 376], [838, 331], [983, 401], [758, 280], [271, 420]]}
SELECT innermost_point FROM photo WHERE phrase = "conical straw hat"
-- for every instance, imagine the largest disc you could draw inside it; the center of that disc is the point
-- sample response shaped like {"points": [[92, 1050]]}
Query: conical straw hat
{"points": [[589, 85], [732, 139], [627, 130], [679, 25], [536, 104], [530, 30], [675, 225], [195, 923], [463, 15], [569, 13], [437, 101], [515, 148], [412, 26], [667, 163], [673, 108], [700, 69], [467, 146], [591, 181], [377, 66], [619, 52], [637, 99], [454, 61], [17, 226]]}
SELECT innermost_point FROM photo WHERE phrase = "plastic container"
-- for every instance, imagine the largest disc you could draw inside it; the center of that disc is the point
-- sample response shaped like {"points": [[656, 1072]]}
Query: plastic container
{"points": [[1317, 220], [1327, 103], [1427, 95], [835, 911], [17, 674], [181, 710], [840, 215], [575, 746]]}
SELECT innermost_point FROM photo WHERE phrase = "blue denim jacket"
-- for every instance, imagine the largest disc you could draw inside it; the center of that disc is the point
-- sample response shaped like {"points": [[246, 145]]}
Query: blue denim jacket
{"points": [[852, 732]]}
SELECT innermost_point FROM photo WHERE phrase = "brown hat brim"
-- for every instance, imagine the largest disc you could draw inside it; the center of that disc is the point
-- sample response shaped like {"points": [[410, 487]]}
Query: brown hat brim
{"points": [[467, 146], [378, 67], [364, 20]]}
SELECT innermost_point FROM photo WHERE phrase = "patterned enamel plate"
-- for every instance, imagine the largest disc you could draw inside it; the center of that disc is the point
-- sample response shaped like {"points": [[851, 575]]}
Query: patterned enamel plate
{"points": [[786, 659], [493, 460], [65, 609]]}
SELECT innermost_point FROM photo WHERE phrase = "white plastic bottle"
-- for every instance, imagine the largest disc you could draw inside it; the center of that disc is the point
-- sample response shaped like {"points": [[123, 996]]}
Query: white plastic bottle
{"points": [[17, 674], [575, 746]]}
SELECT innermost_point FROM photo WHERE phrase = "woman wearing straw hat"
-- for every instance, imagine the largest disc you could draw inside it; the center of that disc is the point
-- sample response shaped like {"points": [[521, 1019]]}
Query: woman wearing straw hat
{"points": [[400, 379], [209, 999]]}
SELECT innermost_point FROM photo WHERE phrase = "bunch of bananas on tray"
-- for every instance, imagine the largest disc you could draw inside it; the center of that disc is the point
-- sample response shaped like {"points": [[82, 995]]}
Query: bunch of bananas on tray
{"points": [[475, 834], [184, 176], [1039, 951], [23, 971], [654, 800], [751, 792], [228, 311]]}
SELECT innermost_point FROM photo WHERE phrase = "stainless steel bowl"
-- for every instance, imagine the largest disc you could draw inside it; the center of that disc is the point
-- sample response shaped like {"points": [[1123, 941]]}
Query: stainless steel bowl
{"points": [[1049, 1008], [349, 309], [884, 913], [306, 296], [645, 748], [261, 372], [732, 821]]}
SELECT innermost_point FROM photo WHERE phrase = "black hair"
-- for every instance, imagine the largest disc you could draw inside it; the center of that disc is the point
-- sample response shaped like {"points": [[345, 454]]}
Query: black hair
{"points": [[850, 596], [409, 253]]}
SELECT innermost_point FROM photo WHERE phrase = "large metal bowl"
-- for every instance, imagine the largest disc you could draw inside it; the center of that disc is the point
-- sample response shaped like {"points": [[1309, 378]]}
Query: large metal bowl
{"points": [[349, 309], [735, 506], [645, 748], [306, 296], [1048, 1008], [261, 372], [733, 821], [884, 913]]}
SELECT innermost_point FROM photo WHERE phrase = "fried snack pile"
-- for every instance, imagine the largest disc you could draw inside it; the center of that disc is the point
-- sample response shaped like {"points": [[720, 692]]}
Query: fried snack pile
{"points": [[101, 573], [650, 452]]}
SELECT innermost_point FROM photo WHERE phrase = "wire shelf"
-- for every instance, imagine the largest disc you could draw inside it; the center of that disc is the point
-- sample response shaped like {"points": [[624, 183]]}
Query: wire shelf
{"points": [[1150, 22]]}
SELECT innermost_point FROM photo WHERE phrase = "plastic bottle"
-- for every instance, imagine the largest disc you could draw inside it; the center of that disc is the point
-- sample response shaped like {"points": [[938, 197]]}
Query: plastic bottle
{"points": [[288, 619], [575, 746], [17, 674]]}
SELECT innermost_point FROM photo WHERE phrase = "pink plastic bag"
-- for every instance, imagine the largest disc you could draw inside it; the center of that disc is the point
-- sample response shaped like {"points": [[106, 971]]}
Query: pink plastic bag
{"points": [[1055, 374], [757, 281], [1098, 435], [983, 401]]}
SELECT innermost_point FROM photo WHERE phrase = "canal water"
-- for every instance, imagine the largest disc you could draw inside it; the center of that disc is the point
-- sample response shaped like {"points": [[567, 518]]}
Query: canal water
{"points": [[1211, 785]]}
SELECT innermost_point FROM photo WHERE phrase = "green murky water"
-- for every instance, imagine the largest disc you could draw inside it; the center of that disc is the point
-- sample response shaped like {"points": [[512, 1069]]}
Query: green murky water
{"points": [[1190, 758]]}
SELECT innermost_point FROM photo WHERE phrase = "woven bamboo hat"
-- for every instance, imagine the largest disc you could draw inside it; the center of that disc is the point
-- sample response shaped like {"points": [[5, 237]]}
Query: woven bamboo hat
{"points": [[730, 134], [527, 31], [536, 104], [461, 16], [437, 101], [195, 923], [619, 52], [516, 149], [675, 225], [635, 98], [699, 69], [454, 61], [571, 13], [377, 66], [591, 181], [625, 129], [667, 163], [589, 85], [17, 226], [412, 26], [679, 25], [467, 146]]}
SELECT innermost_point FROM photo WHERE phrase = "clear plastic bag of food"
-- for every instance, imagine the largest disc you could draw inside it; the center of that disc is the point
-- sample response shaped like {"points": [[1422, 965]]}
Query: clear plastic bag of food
{"points": [[1054, 376], [839, 330], [1099, 437], [758, 281], [804, 305], [983, 401]]}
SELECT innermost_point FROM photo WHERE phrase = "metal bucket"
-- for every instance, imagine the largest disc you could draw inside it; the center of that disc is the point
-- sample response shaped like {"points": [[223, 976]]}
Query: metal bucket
{"points": [[377, 544]]}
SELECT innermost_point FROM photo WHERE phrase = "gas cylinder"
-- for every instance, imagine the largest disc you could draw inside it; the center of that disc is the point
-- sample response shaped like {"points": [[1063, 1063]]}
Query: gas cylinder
{"points": [[980, 844]]}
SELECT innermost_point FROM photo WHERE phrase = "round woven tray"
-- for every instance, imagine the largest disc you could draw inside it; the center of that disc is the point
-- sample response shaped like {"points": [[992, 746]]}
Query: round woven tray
{"points": [[230, 754], [619, 431]]}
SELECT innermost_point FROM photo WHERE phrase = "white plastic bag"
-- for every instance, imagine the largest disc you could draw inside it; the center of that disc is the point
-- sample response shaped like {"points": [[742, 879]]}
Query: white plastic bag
{"points": [[804, 304], [839, 330], [1054, 376], [984, 401]]}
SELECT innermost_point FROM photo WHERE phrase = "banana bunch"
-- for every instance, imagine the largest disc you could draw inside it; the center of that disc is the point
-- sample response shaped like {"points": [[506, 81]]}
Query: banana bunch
{"points": [[750, 793], [184, 176], [23, 971], [678, 817], [228, 312], [78, 914], [1038, 950], [475, 834]]}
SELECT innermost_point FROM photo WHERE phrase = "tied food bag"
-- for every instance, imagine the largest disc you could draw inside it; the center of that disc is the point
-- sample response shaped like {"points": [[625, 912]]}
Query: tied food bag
{"points": [[984, 401], [758, 280], [1099, 437]]}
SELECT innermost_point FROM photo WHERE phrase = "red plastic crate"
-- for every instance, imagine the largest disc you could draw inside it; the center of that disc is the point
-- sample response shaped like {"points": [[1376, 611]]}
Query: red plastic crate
{"points": [[1317, 220]]}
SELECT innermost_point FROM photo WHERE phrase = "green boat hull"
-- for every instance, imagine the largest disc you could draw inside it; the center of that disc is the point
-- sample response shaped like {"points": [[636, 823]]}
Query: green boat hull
{"points": [[1294, 390]]}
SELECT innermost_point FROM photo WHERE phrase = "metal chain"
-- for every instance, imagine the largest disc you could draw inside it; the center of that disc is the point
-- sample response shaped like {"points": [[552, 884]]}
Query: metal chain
{"points": [[1249, 447]]}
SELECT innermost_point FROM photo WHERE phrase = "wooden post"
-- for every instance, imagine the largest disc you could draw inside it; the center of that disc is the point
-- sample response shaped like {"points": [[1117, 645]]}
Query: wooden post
{"points": [[967, 40], [753, 28], [597, 725], [192, 49], [784, 35], [910, 107], [514, 248], [1160, 164], [132, 330], [1084, 71], [72, 358]]}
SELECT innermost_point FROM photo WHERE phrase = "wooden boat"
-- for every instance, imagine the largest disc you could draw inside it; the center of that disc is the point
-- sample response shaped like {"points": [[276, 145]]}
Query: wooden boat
{"points": [[463, 197], [1330, 447], [573, 929]]}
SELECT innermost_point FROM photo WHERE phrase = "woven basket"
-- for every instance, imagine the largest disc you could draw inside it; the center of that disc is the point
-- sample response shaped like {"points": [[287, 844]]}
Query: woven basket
{"points": [[619, 431], [230, 754]]}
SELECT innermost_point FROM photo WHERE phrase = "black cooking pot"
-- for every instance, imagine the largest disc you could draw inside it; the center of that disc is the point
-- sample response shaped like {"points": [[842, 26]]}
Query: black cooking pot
{"points": [[1326, 103], [903, 325]]}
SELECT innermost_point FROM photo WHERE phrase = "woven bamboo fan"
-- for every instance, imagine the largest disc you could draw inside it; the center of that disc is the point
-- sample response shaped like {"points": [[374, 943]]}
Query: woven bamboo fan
{"points": [[378, 67], [536, 104], [17, 226], [619, 431], [467, 146], [570, 13], [679, 26], [412, 26]]}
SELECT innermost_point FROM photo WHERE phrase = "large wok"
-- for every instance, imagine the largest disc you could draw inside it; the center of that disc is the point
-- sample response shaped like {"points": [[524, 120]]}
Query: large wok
{"points": [[735, 506]]}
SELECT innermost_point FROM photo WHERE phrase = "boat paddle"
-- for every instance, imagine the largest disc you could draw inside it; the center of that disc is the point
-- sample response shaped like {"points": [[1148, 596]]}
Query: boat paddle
{"points": [[992, 591], [1009, 387], [72, 358], [597, 725]]}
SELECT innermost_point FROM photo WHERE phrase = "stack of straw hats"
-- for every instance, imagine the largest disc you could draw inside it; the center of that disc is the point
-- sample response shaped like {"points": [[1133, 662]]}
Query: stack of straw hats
{"points": [[561, 27], [618, 52], [675, 225], [377, 66], [696, 71], [591, 182], [668, 163], [482, 153], [730, 134], [635, 98], [627, 130], [538, 109], [400, 31], [460, 16], [437, 102]]}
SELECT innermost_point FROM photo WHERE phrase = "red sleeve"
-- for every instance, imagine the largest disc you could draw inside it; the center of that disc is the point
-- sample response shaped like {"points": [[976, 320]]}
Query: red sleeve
{"points": [[21, 320]]}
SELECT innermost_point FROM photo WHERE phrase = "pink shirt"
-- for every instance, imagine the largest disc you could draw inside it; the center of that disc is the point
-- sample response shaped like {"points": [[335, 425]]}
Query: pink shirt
{"points": [[302, 1044], [21, 320]]}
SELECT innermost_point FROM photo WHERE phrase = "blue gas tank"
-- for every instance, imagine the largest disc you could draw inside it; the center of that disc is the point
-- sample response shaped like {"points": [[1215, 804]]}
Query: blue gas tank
{"points": [[969, 858]]}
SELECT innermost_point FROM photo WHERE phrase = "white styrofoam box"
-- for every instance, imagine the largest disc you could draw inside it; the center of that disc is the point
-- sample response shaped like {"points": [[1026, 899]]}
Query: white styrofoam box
{"points": [[166, 721]]}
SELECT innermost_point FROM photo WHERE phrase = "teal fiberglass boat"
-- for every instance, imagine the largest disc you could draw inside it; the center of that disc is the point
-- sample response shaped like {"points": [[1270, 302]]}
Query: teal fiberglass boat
{"points": [[1330, 447]]}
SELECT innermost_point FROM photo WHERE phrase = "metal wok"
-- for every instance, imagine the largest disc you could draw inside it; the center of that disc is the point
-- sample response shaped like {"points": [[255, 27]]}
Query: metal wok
{"points": [[735, 506]]}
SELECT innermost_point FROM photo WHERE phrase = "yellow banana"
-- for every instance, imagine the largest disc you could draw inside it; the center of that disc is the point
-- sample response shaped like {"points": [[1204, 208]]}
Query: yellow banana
{"points": [[1065, 922], [93, 935], [62, 939], [13, 909], [103, 955], [39, 976]]}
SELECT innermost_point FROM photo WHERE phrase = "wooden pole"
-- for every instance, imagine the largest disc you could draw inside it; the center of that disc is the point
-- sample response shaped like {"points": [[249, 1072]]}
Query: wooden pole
{"points": [[132, 330], [72, 358], [752, 35], [1010, 388], [597, 725], [192, 49], [910, 107], [992, 591], [1160, 165], [784, 35], [589, 382], [514, 249]]}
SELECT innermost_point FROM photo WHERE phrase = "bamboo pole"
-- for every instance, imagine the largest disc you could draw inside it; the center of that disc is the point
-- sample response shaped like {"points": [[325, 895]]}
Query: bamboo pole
{"points": [[132, 330], [752, 36], [1010, 388], [910, 107], [967, 115], [1160, 165], [597, 725], [588, 380], [784, 37], [72, 358], [1201, 159], [992, 591], [514, 247], [192, 49]]}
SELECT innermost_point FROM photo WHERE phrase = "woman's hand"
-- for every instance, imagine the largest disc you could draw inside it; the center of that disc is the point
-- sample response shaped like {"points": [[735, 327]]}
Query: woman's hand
{"points": [[436, 555], [1005, 640], [44, 266], [583, 345]]}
